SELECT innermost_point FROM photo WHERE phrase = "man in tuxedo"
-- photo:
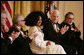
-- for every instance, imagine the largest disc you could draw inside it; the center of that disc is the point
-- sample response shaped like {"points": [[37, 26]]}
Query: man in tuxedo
{"points": [[6, 37], [73, 32], [7, 40], [51, 28], [20, 44]]}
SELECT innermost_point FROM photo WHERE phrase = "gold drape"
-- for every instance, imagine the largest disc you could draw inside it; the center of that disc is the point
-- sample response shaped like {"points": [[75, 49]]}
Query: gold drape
{"points": [[25, 7]]}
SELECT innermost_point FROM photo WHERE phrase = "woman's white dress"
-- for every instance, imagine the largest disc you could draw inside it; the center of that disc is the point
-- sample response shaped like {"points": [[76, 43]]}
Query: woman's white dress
{"points": [[38, 45]]}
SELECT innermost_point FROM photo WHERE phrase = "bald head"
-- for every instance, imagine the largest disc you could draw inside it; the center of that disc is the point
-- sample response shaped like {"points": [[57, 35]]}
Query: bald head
{"points": [[55, 16], [56, 12]]}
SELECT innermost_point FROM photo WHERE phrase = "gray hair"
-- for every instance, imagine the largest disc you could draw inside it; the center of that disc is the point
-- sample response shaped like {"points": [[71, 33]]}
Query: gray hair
{"points": [[16, 18]]}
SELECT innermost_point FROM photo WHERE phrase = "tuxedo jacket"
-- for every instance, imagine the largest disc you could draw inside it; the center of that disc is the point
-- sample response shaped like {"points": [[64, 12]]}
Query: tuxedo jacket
{"points": [[5, 43], [50, 33], [75, 35], [20, 45], [72, 37]]}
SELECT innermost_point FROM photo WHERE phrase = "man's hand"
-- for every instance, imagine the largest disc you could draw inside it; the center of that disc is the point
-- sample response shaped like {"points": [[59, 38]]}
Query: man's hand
{"points": [[64, 29], [14, 35], [34, 35], [77, 28]]}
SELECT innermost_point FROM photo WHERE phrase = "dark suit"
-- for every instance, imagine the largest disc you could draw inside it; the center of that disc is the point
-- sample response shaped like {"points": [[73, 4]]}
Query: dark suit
{"points": [[50, 33], [20, 44], [73, 37], [5, 43]]}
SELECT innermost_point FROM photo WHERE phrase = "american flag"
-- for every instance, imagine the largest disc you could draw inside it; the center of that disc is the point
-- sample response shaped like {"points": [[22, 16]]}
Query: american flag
{"points": [[6, 5], [47, 7]]}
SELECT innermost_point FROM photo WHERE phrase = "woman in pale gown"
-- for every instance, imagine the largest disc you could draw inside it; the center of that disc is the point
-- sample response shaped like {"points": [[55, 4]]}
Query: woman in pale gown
{"points": [[38, 44]]}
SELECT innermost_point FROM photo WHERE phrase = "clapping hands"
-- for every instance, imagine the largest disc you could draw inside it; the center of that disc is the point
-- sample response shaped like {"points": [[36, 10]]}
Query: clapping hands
{"points": [[64, 29], [33, 35], [77, 28], [14, 35]]}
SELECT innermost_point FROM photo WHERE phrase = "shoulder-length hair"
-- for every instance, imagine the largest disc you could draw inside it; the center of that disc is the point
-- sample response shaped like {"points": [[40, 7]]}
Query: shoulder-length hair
{"points": [[33, 17]]}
